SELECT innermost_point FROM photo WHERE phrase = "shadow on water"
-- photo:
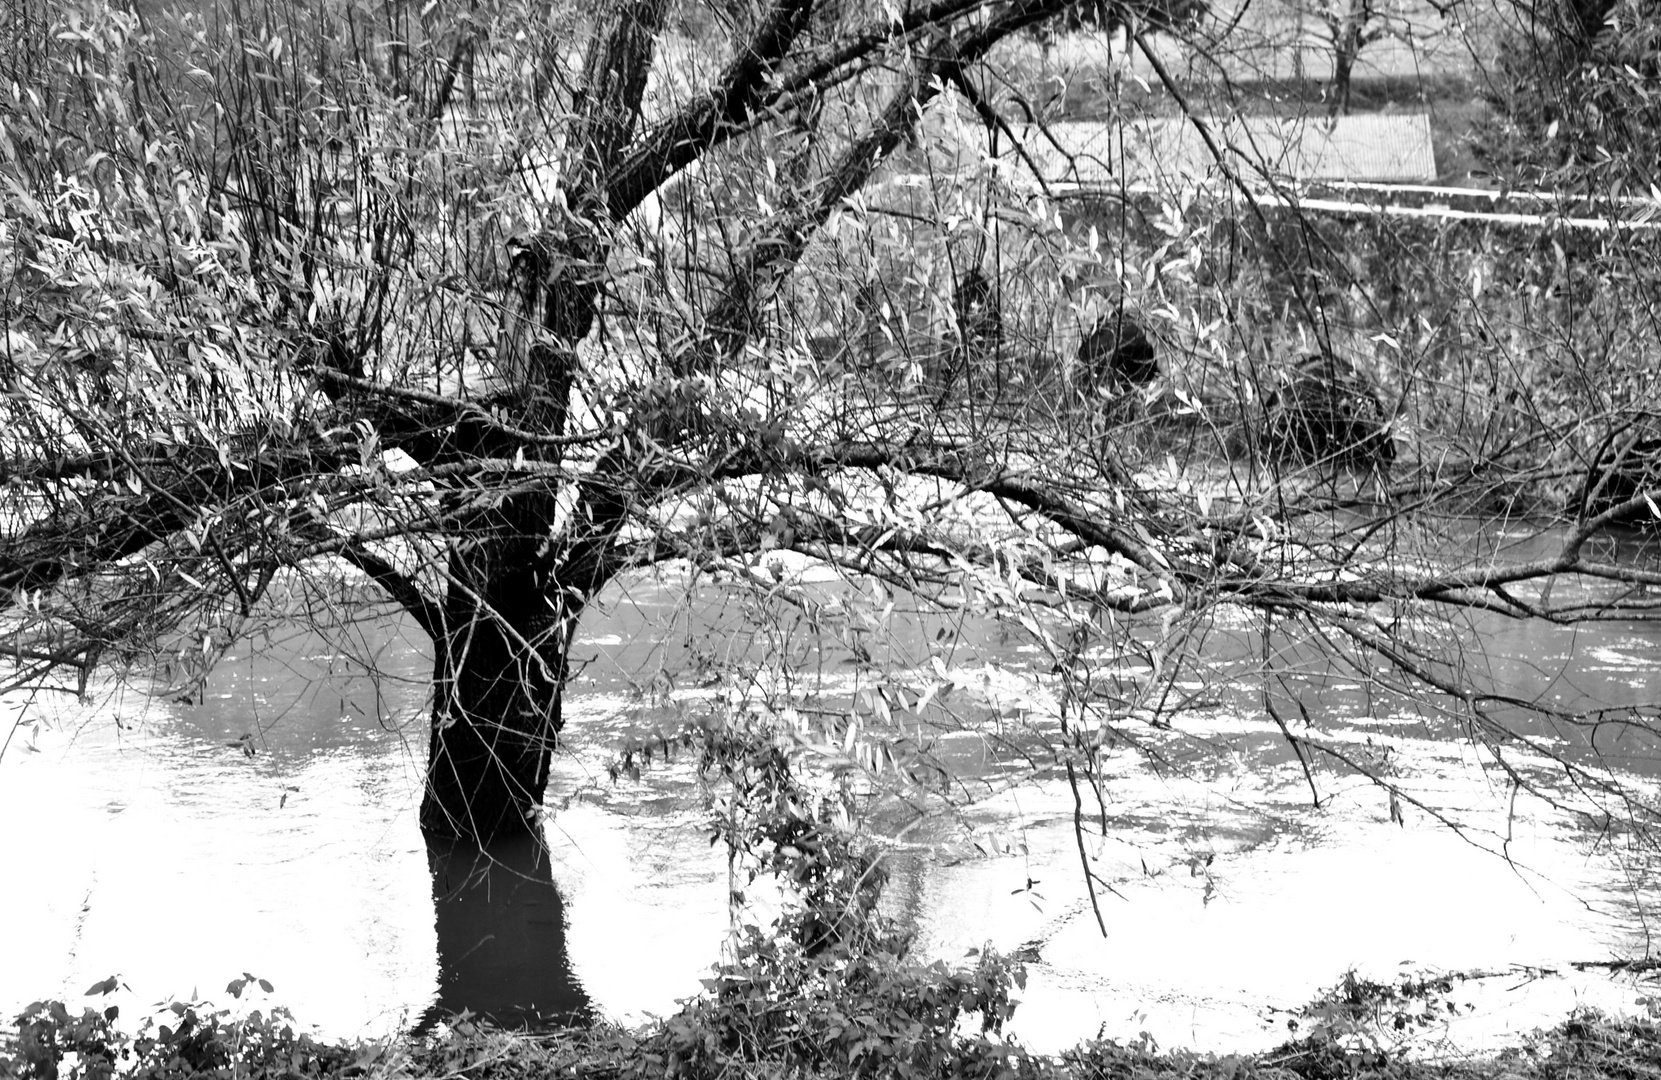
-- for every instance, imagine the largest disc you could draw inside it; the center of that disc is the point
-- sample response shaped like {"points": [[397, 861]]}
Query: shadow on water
{"points": [[501, 937]]}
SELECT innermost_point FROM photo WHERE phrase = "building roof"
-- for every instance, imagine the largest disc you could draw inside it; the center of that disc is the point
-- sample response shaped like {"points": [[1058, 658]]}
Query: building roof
{"points": [[1393, 148]]}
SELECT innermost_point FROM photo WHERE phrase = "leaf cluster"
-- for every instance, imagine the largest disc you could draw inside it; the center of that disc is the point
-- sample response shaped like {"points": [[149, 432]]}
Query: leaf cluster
{"points": [[1573, 97], [828, 986], [192, 1041]]}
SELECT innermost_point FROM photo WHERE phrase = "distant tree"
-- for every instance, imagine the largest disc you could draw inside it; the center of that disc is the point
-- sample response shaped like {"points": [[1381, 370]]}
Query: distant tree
{"points": [[1346, 28]]}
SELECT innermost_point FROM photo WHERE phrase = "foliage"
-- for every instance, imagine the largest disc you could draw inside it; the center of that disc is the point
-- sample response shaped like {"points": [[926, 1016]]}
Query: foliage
{"points": [[1543, 348], [865, 1012], [193, 1040], [200, 1044], [1102, 15], [828, 986], [1572, 93], [1354, 1023], [1587, 1044]]}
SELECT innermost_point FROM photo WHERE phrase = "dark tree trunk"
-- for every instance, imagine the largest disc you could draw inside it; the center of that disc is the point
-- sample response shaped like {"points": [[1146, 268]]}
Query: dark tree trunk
{"points": [[501, 936], [499, 655], [1343, 72], [498, 677]]}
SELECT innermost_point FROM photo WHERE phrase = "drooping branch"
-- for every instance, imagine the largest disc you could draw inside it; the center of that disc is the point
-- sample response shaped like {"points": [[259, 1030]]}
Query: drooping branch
{"points": [[403, 590], [614, 81], [772, 256], [1186, 561], [74, 541], [687, 135], [963, 466], [435, 428]]}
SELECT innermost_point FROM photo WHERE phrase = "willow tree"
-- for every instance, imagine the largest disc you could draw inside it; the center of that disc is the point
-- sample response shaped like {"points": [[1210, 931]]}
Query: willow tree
{"points": [[477, 308]]}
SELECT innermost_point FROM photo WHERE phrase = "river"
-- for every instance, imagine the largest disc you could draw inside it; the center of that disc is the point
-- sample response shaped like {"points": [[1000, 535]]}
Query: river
{"points": [[271, 829]]}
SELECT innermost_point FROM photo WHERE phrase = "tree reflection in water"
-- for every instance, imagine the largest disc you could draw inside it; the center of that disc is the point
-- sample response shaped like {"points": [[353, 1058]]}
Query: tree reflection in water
{"points": [[501, 937]]}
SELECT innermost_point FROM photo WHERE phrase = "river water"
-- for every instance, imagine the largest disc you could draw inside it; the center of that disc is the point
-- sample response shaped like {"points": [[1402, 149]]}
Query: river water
{"points": [[271, 829]]}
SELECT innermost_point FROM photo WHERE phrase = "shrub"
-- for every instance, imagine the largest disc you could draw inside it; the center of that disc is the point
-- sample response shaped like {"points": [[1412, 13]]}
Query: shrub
{"points": [[192, 1041]]}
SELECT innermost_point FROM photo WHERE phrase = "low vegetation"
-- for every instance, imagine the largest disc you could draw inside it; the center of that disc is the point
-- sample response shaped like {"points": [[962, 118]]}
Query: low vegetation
{"points": [[736, 1030]]}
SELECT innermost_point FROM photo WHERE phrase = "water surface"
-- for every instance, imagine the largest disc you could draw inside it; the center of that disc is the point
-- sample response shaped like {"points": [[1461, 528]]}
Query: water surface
{"points": [[270, 828]]}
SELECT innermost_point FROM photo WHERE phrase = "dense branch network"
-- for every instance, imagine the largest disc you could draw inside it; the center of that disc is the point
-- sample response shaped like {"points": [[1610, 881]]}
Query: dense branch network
{"points": [[610, 428]]}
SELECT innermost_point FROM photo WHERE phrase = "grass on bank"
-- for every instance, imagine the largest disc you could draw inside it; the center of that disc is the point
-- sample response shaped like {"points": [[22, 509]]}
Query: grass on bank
{"points": [[716, 1036]]}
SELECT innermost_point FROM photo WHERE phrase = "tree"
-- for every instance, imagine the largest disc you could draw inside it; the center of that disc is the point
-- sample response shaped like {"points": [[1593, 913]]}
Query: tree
{"points": [[1570, 88], [295, 330], [1347, 27]]}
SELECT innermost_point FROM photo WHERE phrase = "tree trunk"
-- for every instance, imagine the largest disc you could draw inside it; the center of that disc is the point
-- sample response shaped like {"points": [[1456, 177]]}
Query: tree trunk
{"points": [[499, 655], [1343, 71], [498, 677]]}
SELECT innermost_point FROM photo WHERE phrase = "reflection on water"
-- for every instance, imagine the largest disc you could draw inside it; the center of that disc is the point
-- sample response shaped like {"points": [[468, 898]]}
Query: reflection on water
{"points": [[501, 936]]}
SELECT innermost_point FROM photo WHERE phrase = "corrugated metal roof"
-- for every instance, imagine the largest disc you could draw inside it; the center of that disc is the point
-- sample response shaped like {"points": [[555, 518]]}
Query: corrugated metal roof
{"points": [[1394, 148]]}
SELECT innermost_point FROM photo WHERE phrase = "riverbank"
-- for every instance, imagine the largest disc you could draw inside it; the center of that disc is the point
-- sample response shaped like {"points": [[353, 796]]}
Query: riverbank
{"points": [[1584, 1047], [700, 1042]]}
